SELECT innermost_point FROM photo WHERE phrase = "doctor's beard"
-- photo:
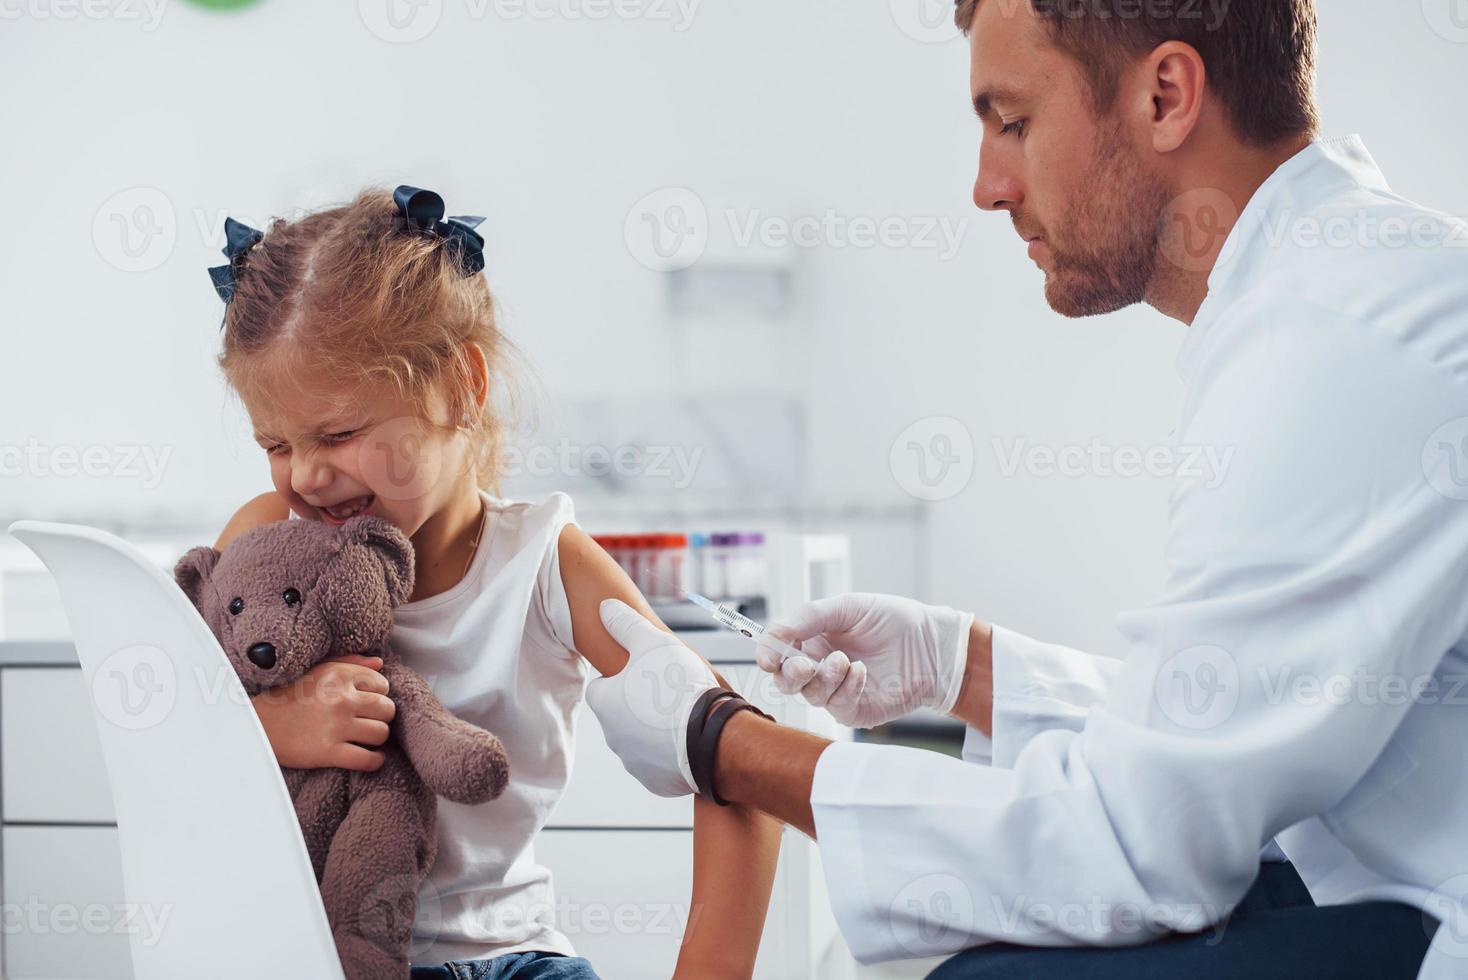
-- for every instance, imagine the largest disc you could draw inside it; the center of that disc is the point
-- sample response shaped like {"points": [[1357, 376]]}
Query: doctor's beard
{"points": [[1107, 257]]}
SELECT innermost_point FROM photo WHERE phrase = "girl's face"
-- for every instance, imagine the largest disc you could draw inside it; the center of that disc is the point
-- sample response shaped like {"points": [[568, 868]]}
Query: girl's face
{"points": [[373, 452]]}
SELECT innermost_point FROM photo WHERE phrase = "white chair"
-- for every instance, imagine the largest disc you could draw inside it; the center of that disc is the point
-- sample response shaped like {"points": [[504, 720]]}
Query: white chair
{"points": [[208, 833]]}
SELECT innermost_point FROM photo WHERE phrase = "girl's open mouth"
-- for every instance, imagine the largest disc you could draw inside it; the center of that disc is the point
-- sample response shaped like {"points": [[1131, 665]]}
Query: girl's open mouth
{"points": [[347, 509]]}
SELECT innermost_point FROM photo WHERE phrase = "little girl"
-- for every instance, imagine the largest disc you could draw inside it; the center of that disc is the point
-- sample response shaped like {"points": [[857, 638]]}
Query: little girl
{"points": [[362, 341]]}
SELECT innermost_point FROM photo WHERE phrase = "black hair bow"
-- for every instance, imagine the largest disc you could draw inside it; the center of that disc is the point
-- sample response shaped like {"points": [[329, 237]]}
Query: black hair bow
{"points": [[425, 209], [238, 239]]}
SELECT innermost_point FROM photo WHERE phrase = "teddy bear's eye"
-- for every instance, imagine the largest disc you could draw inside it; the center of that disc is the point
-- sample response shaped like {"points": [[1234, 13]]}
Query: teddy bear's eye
{"points": [[291, 597], [236, 606]]}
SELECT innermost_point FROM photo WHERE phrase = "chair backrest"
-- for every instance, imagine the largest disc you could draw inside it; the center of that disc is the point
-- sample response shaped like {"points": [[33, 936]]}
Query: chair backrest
{"points": [[208, 833]]}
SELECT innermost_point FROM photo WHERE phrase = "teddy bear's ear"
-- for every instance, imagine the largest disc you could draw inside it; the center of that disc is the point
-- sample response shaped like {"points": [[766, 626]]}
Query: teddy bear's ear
{"points": [[386, 542], [193, 570]]}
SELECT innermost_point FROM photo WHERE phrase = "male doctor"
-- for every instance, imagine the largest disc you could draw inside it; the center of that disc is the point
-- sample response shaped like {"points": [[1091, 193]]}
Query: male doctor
{"points": [[1300, 684]]}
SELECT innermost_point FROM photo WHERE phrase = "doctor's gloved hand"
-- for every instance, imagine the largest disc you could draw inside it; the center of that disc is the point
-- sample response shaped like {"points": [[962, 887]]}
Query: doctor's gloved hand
{"points": [[644, 709], [876, 657]]}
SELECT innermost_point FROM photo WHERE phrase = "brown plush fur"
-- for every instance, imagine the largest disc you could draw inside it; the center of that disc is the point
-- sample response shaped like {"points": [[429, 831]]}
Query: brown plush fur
{"points": [[371, 835]]}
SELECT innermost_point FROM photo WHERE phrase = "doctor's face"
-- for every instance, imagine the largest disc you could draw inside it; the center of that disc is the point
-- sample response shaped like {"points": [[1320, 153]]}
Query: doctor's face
{"points": [[1075, 185]]}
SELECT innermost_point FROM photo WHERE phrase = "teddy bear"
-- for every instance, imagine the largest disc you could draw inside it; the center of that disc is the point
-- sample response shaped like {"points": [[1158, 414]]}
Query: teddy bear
{"points": [[280, 599]]}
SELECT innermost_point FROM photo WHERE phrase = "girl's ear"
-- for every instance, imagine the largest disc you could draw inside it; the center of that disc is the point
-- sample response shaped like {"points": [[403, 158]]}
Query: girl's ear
{"points": [[390, 546], [193, 570]]}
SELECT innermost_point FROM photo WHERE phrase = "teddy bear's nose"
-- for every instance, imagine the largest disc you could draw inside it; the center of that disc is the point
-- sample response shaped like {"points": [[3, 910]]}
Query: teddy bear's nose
{"points": [[262, 655]]}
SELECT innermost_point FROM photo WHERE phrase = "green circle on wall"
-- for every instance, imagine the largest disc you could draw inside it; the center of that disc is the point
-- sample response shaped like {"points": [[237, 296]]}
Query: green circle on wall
{"points": [[223, 4]]}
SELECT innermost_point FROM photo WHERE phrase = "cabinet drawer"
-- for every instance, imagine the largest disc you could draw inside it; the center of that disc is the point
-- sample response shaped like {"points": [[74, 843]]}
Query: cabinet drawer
{"points": [[602, 794], [52, 764], [65, 912], [621, 896]]}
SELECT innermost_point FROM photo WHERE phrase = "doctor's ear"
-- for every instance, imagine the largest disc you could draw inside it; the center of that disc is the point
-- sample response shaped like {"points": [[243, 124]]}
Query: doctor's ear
{"points": [[1175, 85]]}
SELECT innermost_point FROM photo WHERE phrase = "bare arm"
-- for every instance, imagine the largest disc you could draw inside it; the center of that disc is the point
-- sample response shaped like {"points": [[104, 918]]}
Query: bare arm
{"points": [[264, 509], [735, 848]]}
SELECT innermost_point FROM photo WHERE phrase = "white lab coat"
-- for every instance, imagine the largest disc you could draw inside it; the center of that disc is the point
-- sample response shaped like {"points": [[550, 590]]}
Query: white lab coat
{"points": [[1303, 674]]}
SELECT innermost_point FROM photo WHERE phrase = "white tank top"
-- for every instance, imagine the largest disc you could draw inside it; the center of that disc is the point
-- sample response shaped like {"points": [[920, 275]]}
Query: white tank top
{"points": [[497, 651]]}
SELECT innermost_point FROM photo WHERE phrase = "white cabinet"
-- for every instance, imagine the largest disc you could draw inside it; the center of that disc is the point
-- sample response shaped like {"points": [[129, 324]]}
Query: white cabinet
{"points": [[50, 758], [65, 916]]}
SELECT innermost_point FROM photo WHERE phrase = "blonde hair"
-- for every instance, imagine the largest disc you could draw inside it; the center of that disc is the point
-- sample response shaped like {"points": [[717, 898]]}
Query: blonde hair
{"points": [[357, 295]]}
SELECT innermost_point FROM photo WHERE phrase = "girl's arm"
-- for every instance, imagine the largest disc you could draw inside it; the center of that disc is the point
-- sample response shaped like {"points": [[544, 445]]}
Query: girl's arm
{"points": [[734, 849]]}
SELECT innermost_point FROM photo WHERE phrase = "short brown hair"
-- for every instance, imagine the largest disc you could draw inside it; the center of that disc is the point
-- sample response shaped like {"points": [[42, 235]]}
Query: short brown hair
{"points": [[1260, 54]]}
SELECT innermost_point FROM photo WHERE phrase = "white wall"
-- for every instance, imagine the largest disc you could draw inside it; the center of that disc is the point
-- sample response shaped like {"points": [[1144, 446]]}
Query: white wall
{"points": [[554, 129]]}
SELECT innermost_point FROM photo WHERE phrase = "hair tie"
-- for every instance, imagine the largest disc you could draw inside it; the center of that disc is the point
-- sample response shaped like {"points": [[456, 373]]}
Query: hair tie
{"points": [[424, 211], [238, 239]]}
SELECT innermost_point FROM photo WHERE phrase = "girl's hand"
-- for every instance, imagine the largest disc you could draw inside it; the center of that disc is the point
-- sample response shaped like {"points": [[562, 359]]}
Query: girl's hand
{"points": [[328, 715]]}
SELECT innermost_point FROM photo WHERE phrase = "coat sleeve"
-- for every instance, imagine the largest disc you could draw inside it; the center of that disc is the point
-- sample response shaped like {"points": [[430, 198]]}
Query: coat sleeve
{"points": [[1333, 550], [1038, 687]]}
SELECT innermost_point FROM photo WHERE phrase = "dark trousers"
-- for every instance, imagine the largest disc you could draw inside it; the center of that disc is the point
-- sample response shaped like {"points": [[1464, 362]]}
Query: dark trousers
{"points": [[1276, 931]]}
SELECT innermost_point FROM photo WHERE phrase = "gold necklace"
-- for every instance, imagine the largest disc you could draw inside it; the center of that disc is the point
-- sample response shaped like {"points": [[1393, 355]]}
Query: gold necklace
{"points": [[474, 545]]}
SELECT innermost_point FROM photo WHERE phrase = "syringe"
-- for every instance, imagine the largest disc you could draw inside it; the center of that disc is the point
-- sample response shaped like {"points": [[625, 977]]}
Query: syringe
{"points": [[740, 623]]}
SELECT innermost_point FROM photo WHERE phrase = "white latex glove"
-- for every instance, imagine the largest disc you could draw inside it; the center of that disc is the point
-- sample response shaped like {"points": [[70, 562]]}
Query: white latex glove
{"points": [[644, 709], [872, 658]]}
